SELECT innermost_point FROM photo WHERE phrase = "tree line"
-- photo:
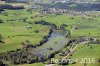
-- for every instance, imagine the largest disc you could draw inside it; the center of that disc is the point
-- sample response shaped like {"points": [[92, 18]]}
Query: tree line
{"points": [[77, 6], [53, 26], [25, 55], [7, 6], [43, 22]]}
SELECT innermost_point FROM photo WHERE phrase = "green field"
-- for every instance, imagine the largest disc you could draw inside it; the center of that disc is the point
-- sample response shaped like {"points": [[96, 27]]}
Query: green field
{"points": [[15, 28], [85, 51], [17, 32], [14, 32]]}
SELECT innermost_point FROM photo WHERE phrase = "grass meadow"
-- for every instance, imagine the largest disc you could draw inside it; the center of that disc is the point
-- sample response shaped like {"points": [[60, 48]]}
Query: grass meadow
{"points": [[14, 32]]}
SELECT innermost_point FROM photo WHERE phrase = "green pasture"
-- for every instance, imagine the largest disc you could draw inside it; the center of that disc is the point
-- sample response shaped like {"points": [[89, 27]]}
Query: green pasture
{"points": [[14, 32], [15, 28], [17, 32], [85, 51]]}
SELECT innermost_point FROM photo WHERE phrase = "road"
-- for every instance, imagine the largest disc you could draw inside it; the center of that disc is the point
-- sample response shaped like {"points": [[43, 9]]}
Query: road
{"points": [[71, 50]]}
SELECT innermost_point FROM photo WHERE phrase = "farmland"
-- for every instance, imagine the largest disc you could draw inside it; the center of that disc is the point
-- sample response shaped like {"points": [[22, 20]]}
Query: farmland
{"points": [[20, 35], [8, 29], [18, 31]]}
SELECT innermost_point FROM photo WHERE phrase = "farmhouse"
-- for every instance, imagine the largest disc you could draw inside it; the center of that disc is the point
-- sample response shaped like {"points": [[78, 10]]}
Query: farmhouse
{"points": [[1, 9], [28, 27], [65, 11]]}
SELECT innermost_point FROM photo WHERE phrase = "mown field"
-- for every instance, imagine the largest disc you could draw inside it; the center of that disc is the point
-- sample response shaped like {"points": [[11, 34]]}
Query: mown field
{"points": [[85, 51], [87, 27], [14, 32], [90, 26], [15, 29]]}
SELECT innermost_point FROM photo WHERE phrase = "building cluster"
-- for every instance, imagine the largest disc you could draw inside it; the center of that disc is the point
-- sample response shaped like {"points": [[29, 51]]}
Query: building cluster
{"points": [[55, 1], [64, 11], [77, 1]]}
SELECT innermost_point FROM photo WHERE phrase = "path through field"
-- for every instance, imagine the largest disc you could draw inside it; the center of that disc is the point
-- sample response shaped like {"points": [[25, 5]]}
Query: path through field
{"points": [[73, 49]]}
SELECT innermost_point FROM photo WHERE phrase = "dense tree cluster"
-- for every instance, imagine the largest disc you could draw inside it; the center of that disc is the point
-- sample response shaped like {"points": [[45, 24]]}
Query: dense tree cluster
{"points": [[21, 56], [2, 64], [18, 1], [1, 39], [42, 22], [54, 27], [77, 6], [62, 27], [24, 56], [6, 6], [45, 38], [1, 9], [1, 21]]}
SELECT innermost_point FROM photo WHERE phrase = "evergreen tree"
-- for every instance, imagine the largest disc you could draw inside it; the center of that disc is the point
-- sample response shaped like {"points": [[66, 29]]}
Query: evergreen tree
{"points": [[1, 38], [1, 21]]}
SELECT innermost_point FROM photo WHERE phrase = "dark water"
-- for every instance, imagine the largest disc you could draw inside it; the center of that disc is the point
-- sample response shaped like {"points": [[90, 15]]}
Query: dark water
{"points": [[58, 33], [56, 42]]}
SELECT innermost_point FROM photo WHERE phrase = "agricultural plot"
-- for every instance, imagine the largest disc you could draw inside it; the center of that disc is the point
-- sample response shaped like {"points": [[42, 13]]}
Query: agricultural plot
{"points": [[88, 27], [85, 51], [18, 27], [15, 32]]}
